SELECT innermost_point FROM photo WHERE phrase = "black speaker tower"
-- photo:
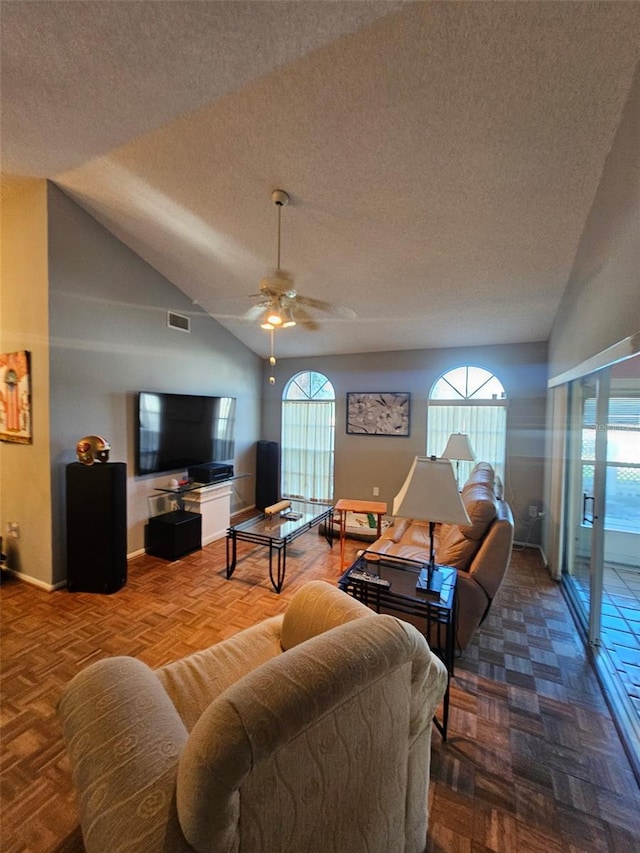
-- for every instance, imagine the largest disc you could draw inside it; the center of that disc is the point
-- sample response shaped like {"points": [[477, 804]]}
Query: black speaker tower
{"points": [[267, 473], [96, 527]]}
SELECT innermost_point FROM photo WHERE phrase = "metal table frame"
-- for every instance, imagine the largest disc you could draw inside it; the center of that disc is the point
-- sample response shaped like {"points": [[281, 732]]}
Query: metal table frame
{"points": [[402, 599], [275, 533]]}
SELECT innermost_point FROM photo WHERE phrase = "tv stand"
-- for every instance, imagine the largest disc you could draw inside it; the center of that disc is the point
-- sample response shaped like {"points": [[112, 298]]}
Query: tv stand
{"points": [[212, 501]]}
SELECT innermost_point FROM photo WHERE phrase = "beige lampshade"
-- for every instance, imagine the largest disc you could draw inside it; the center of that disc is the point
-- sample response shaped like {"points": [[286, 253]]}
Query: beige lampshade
{"points": [[459, 448], [430, 493]]}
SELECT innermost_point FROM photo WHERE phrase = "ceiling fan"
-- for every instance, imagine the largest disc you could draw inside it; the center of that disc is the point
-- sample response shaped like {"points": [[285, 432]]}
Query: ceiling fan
{"points": [[281, 306]]}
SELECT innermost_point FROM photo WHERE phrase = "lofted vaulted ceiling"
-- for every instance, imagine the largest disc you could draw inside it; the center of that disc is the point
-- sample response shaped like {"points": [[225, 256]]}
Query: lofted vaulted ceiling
{"points": [[441, 158]]}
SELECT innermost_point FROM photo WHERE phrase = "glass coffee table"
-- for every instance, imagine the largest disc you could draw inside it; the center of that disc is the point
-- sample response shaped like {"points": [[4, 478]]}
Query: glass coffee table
{"points": [[276, 532], [433, 613]]}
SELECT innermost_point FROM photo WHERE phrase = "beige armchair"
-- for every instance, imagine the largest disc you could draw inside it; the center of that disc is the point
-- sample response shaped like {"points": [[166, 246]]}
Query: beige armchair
{"points": [[307, 732]]}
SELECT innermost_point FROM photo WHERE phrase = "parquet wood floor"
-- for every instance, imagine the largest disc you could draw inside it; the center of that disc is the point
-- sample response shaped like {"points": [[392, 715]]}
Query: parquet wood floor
{"points": [[533, 761]]}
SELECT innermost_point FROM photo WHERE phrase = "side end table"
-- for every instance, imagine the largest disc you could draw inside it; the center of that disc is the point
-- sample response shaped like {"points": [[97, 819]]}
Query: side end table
{"points": [[345, 505]]}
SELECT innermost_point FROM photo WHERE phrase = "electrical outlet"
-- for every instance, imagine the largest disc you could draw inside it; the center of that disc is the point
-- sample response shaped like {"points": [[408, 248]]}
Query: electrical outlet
{"points": [[376, 491], [13, 529], [533, 511]]}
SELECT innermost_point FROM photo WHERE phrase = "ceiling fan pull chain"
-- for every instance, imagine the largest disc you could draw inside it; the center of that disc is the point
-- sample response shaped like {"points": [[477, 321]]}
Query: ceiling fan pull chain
{"points": [[272, 358]]}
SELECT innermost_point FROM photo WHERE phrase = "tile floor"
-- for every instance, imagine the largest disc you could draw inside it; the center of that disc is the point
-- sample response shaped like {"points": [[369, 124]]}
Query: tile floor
{"points": [[620, 628]]}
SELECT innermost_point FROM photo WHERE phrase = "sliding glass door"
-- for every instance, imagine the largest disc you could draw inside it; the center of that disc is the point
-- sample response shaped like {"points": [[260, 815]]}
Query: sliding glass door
{"points": [[600, 557], [584, 517], [602, 523]]}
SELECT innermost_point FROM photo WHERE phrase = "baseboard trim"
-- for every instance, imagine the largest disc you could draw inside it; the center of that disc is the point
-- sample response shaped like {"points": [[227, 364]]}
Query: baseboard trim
{"points": [[139, 553], [519, 544], [522, 545], [48, 587], [242, 511], [52, 587]]}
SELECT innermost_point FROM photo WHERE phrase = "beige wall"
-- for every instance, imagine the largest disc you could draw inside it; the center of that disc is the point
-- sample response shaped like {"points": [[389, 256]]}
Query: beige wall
{"points": [[601, 304], [25, 487], [362, 462], [109, 340]]}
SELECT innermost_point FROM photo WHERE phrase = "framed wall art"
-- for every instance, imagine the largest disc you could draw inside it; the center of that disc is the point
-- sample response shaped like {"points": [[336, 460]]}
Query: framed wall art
{"points": [[381, 413], [15, 397]]}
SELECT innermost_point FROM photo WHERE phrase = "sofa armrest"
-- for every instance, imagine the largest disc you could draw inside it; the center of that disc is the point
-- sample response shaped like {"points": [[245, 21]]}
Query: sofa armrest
{"points": [[124, 740], [473, 603], [492, 560]]}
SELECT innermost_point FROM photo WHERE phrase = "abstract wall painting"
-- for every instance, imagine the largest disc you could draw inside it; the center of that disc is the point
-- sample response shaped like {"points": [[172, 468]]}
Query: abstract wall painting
{"points": [[382, 413]]}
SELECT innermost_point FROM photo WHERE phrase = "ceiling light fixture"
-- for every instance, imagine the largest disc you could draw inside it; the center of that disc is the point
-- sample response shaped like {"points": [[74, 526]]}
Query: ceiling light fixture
{"points": [[288, 320], [272, 317]]}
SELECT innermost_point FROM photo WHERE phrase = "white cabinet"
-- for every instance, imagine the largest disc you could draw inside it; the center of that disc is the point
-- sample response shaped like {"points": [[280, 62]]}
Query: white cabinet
{"points": [[214, 505]]}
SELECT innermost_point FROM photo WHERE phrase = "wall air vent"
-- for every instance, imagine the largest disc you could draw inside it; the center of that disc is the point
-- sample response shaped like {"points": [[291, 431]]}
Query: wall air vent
{"points": [[178, 321]]}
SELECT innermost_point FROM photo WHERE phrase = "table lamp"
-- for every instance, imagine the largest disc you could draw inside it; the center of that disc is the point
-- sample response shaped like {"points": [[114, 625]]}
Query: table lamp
{"points": [[430, 493], [459, 449]]}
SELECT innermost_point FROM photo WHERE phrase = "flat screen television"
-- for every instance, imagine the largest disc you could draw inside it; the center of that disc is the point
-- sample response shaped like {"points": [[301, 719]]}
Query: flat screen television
{"points": [[175, 431]]}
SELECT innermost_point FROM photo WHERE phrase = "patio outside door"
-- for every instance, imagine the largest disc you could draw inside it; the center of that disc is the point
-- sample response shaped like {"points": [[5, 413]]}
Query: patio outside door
{"points": [[601, 558], [585, 498]]}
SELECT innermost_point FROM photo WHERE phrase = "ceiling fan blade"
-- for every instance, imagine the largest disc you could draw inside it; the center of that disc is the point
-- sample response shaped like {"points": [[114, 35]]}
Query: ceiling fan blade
{"points": [[254, 312], [303, 318], [327, 307]]}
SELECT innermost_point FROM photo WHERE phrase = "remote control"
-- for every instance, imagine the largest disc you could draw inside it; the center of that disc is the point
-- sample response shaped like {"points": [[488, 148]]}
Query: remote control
{"points": [[369, 578]]}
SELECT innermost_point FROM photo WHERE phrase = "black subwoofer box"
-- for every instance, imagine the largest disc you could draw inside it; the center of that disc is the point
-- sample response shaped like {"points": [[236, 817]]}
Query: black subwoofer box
{"points": [[174, 534], [96, 527]]}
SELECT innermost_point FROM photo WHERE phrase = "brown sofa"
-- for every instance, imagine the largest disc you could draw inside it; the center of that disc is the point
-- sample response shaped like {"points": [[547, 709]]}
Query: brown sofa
{"points": [[309, 731], [480, 551]]}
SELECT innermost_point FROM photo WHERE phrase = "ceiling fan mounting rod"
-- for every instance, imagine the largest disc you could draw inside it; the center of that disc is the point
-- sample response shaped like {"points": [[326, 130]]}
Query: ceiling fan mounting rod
{"points": [[279, 198]]}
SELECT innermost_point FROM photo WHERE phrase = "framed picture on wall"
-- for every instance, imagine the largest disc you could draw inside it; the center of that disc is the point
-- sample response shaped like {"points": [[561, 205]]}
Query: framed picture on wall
{"points": [[379, 413], [15, 397]]}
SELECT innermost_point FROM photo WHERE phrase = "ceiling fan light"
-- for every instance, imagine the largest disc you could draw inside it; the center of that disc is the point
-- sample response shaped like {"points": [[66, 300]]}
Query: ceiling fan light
{"points": [[274, 318], [271, 317], [288, 319]]}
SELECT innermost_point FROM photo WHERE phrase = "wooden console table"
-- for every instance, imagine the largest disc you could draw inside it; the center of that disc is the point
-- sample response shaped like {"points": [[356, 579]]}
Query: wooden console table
{"points": [[346, 505]]}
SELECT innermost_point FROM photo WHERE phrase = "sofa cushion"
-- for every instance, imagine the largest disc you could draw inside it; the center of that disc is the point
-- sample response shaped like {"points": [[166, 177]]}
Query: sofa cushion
{"points": [[458, 544], [482, 474], [480, 504], [195, 681]]}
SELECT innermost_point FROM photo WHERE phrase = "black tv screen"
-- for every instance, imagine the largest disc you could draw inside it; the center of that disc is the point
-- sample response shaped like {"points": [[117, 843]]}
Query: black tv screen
{"points": [[179, 430]]}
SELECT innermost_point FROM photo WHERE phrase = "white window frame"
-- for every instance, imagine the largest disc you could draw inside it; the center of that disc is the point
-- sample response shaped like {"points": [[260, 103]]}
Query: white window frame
{"points": [[308, 441], [483, 419]]}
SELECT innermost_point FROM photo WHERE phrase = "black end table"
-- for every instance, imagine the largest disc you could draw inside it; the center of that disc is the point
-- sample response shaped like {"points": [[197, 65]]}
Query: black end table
{"points": [[436, 611]]}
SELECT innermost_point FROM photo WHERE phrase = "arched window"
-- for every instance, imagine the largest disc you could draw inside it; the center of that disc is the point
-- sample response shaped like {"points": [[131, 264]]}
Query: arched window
{"points": [[308, 430], [470, 400]]}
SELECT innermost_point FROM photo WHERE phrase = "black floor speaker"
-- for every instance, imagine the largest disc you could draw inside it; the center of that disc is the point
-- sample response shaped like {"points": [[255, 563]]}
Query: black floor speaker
{"points": [[96, 527], [267, 473]]}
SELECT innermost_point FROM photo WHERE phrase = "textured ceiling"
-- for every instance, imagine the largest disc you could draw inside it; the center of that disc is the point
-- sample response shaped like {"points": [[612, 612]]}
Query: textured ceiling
{"points": [[442, 158]]}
